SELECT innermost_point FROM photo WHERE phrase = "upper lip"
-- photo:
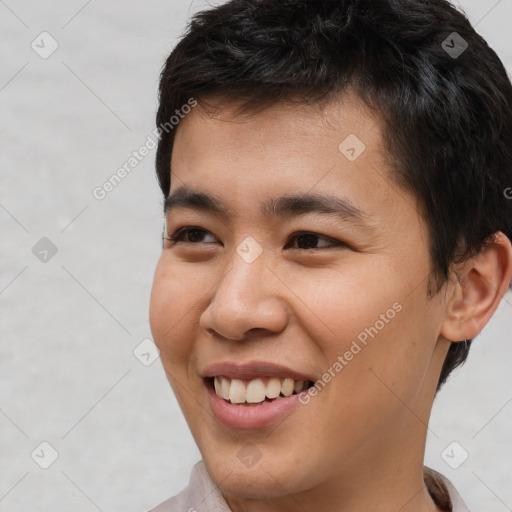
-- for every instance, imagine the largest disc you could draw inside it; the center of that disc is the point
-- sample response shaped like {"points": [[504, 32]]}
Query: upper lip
{"points": [[252, 370]]}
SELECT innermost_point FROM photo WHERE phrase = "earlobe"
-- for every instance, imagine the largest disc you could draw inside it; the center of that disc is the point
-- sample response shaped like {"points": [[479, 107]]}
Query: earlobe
{"points": [[483, 281]]}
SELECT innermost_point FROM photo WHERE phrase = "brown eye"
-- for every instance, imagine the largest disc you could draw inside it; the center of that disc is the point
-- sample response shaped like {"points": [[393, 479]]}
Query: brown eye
{"points": [[306, 240], [195, 235]]}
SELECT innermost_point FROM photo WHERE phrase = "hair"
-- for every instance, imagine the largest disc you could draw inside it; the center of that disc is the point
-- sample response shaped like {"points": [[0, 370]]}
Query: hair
{"points": [[447, 118]]}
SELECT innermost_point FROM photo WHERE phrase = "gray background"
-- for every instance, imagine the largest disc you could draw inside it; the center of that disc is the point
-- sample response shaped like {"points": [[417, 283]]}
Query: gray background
{"points": [[69, 326]]}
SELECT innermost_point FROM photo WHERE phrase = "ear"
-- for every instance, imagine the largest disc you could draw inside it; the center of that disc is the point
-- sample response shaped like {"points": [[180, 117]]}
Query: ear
{"points": [[483, 281]]}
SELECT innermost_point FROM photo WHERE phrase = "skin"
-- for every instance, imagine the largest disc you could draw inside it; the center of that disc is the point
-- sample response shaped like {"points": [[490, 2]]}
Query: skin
{"points": [[359, 444]]}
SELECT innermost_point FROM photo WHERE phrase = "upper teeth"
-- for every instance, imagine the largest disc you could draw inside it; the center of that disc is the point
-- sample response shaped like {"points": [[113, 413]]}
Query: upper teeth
{"points": [[255, 391]]}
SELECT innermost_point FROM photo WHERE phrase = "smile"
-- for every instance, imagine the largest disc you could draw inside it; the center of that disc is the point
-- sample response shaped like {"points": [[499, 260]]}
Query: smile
{"points": [[254, 394], [257, 391]]}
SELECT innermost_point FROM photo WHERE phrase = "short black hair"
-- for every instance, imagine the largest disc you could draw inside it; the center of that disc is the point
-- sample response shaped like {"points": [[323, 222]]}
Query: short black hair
{"points": [[442, 92]]}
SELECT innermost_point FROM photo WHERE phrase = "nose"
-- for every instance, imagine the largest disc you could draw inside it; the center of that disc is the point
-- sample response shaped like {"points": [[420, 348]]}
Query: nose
{"points": [[245, 299]]}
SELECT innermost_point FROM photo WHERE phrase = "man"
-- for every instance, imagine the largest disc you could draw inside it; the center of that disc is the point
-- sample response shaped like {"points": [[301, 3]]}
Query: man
{"points": [[337, 232]]}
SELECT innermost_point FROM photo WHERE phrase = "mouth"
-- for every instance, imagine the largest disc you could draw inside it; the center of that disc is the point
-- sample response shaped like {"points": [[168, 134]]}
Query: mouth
{"points": [[255, 392]]}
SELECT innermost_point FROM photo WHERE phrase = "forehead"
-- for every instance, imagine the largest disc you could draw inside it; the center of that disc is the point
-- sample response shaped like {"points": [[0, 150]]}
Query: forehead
{"points": [[290, 123], [246, 159]]}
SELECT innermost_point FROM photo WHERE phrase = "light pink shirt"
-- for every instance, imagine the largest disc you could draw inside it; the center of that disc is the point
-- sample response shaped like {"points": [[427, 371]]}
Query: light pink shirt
{"points": [[202, 495]]}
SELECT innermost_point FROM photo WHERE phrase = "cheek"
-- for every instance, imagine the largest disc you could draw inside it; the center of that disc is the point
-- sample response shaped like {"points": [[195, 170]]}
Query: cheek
{"points": [[386, 357], [345, 306], [173, 298], [374, 321]]}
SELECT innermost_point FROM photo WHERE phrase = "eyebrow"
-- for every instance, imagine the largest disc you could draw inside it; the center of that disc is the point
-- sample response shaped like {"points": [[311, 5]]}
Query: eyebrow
{"points": [[276, 207]]}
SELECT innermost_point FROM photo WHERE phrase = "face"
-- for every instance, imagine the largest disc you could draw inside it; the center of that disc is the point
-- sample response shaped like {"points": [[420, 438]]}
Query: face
{"points": [[305, 262]]}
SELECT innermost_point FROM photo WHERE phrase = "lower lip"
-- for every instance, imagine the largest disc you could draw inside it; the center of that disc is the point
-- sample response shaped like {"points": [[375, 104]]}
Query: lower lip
{"points": [[251, 416]]}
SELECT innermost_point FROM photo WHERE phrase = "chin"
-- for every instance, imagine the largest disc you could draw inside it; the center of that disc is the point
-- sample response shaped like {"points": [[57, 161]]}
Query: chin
{"points": [[262, 480]]}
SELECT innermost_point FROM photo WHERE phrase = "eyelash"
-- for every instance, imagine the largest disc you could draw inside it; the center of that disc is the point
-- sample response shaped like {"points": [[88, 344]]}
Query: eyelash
{"points": [[178, 235]]}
